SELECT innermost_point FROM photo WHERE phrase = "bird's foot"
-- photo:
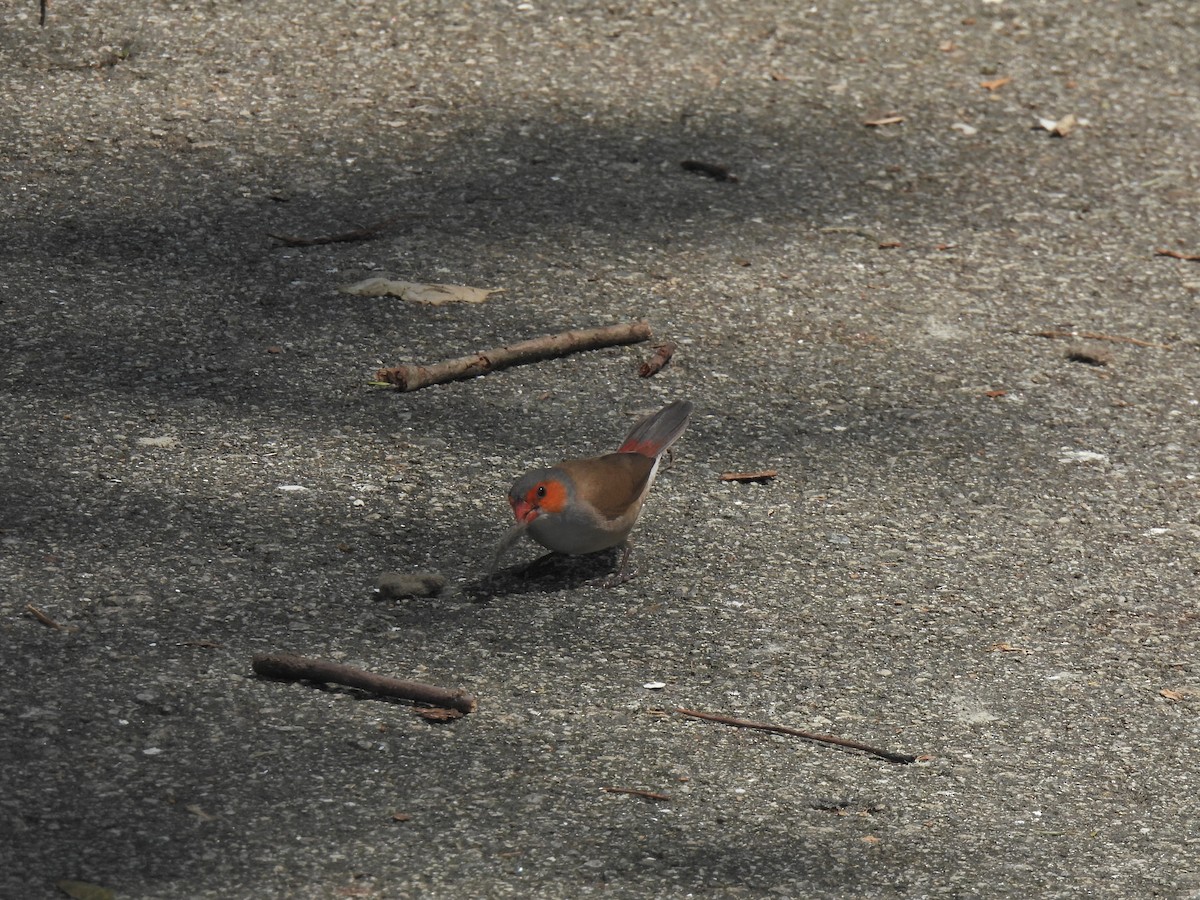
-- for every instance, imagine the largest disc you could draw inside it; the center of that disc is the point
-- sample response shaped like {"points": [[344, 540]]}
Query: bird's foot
{"points": [[623, 573], [619, 578]]}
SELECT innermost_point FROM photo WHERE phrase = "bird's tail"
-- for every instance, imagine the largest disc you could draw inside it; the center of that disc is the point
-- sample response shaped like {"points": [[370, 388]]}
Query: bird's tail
{"points": [[655, 433]]}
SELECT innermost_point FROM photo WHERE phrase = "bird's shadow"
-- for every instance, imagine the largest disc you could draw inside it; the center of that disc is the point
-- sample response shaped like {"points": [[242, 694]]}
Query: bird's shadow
{"points": [[549, 573]]}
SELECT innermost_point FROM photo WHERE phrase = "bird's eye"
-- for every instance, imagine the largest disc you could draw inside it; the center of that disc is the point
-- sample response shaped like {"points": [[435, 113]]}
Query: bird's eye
{"points": [[541, 491]]}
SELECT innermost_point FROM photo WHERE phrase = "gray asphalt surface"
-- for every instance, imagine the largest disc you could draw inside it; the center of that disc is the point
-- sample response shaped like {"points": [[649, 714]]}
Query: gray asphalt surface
{"points": [[981, 547]]}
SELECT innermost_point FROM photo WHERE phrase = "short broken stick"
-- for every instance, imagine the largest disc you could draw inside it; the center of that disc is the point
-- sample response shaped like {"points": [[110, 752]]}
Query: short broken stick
{"points": [[412, 378], [287, 667], [889, 755], [662, 356]]}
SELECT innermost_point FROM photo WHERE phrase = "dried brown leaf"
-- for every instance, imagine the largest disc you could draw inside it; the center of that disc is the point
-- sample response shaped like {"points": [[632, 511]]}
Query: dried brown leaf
{"points": [[418, 292], [83, 890]]}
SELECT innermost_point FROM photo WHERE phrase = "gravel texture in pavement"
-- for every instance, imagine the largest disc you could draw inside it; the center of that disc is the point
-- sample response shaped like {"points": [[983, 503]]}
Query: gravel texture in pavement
{"points": [[947, 328]]}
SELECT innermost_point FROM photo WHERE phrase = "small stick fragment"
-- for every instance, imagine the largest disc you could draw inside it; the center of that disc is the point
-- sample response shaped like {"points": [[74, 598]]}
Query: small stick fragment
{"points": [[761, 477], [1175, 254], [662, 356], [1096, 336], [885, 120], [889, 755], [41, 616], [358, 234], [712, 170], [635, 792], [287, 667], [412, 378]]}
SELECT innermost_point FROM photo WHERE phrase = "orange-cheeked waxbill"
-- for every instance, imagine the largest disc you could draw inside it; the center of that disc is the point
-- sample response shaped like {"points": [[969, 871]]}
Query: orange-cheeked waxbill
{"points": [[587, 505]]}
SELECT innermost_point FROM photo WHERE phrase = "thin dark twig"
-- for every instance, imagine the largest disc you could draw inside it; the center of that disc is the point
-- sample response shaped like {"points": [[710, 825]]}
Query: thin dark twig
{"points": [[637, 792], [358, 234], [302, 668], [1095, 336], [889, 755], [41, 616]]}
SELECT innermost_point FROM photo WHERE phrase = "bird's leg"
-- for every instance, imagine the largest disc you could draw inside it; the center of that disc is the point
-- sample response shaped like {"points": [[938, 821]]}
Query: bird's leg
{"points": [[622, 575]]}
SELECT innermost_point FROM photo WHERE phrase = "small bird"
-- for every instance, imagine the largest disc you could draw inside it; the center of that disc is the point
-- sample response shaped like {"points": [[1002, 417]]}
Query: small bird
{"points": [[587, 505]]}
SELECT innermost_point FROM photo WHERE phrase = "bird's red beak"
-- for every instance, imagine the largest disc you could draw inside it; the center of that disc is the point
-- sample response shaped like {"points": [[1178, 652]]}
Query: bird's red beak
{"points": [[525, 511]]}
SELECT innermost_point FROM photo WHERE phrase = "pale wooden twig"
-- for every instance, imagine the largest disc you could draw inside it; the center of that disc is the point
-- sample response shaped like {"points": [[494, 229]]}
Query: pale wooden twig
{"points": [[302, 668], [889, 755], [411, 378]]}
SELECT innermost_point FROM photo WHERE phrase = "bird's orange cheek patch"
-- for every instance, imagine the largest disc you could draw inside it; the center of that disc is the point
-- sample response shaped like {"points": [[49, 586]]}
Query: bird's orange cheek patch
{"points": [[555, 499]]}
